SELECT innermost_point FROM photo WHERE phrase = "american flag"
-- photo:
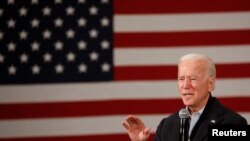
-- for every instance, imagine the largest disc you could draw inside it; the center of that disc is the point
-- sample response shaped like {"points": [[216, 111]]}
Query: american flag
{"points": [[73, 70]]}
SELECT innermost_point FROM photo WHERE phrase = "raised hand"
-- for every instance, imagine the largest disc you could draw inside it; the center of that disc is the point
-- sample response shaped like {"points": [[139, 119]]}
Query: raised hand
{"points": [[136, 128]]}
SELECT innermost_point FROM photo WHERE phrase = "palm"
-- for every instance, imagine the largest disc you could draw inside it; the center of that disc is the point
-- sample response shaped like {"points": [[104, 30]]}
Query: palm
{"points": [[136, 129], [136, 132]]}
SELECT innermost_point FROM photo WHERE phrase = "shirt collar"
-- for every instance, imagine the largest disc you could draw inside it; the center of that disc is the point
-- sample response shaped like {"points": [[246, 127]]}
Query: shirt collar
{"points": [[199, 112]]}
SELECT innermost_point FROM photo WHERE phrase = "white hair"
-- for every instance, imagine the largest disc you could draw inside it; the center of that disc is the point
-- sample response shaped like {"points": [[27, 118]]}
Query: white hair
{"points": [[211, 69]]}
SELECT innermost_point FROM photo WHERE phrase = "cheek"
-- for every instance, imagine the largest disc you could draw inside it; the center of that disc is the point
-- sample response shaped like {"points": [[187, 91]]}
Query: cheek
{"points": [[195, 86], [180, 85], [201, 87]]}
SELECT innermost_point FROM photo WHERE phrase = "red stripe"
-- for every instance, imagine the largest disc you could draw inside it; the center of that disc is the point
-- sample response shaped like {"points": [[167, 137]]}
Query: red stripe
{"points": [[166, 39], [178, 6], [233, 70], [69, 109], [108, 137], [136, 73], [111, 107], [236, 104]]}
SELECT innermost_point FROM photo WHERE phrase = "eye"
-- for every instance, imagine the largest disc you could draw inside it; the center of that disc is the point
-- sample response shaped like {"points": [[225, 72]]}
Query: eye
{"points": [[180, 78], [193, 79]]}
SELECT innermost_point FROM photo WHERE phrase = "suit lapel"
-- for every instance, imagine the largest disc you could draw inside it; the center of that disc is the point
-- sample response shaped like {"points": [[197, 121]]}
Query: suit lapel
{"points": [[202, 130], [210, 116]]}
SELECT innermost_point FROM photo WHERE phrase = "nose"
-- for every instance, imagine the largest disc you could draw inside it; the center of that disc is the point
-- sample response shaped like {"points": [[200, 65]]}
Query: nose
{"points": [[187, 83]]}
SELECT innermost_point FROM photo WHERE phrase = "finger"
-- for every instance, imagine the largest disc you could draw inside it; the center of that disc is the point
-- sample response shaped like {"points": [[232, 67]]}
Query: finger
{"points": [[131, 120], [137, 120], [126, 125]]}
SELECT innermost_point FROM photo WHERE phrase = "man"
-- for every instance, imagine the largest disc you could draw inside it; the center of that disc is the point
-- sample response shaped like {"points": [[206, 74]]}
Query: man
{"points": [[196, 80]]}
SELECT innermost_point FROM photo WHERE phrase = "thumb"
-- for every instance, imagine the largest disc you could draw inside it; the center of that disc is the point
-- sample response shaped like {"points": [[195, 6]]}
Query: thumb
{"points": [[146, 131], [144, 135]]}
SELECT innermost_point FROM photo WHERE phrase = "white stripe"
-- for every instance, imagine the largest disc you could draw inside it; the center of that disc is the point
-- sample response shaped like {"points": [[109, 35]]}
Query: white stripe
{"points": [[74, 126], [109, 91], [182, 22], [170, 55]]}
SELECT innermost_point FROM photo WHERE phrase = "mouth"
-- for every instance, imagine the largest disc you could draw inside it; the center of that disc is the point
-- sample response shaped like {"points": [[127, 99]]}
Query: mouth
{"points": [[187, 94]]}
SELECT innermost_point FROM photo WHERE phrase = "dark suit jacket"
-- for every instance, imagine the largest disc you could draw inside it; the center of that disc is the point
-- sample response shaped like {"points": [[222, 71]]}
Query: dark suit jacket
{"points": [[168, 129]]}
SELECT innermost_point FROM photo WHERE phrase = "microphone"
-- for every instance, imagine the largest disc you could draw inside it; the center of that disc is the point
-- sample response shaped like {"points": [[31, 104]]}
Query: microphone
{"points": [[184, 124]]}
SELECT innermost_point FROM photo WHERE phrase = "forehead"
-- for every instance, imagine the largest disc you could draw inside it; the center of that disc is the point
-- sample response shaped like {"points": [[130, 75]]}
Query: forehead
{"points": [[192, 66]]}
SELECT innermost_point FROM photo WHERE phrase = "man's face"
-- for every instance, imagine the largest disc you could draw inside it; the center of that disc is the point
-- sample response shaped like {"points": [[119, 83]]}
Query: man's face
{"points": [[194, 83]]}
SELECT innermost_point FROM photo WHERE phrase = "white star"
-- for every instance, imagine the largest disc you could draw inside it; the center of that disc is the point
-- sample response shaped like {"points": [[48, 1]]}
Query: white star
{"points": [[82, 68], [11, 2], [105, 44], [12, 70], [105, 67], [35, 69], [1, 35], [59, 68], [93, 10], [93, 56], [1, 12], [58, 22], [23, 35], [46, 34], [71, 57], [81, 22], [1, 58], [34, 23], [70, 10], [58, 1], [58, 45], [82, 45], [11, 23], [105, 21], [35, 46], [70, 34], [105, 1], [93, 33], [11, 46], [24, 58], [81, 1], [23, 11], [34, 1], [46, 11], [47, 57]]}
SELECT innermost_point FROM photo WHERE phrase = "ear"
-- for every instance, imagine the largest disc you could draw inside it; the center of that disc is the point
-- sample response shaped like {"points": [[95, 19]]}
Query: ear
{"points": [[211, 84]]}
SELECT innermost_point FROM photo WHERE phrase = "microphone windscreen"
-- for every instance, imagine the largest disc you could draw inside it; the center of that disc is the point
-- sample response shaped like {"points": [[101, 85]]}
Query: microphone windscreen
{"points": [[184, 113]]}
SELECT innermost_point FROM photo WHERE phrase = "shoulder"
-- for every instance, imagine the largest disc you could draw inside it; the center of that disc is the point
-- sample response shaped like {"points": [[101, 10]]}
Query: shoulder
{"points": [[170, 120], [227, 115], [232, 117], [168, 127]]}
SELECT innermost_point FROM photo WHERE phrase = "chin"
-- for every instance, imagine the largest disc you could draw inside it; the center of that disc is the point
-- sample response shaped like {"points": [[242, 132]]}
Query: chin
{"points": [[187, 102]]}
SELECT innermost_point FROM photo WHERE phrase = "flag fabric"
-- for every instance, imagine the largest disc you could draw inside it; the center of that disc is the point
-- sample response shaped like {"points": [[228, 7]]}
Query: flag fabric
{"points": [[73, 70]]}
